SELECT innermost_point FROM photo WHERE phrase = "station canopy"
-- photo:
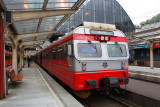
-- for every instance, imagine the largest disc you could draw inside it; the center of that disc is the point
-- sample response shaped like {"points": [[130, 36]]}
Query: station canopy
{"points": [[38, 16], [147, 34]]}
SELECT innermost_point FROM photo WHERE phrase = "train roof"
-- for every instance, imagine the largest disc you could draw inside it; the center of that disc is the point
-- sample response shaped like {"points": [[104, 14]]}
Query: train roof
{"points": [[85, 27]]}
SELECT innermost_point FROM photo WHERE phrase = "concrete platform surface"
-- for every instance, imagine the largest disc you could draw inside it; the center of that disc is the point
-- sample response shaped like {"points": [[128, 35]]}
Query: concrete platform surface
{"points": [[67, 99], [146, 70], [31, 92], [145, 73]]}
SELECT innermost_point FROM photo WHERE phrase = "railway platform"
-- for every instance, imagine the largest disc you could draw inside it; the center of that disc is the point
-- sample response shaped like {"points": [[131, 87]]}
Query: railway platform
{"points": [[145, 73], [144, 85], [35, 91]]}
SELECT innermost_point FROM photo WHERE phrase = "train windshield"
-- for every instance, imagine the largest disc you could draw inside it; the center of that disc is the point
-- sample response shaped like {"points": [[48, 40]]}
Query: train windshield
{"points": [[89, 50], [116, 50]]}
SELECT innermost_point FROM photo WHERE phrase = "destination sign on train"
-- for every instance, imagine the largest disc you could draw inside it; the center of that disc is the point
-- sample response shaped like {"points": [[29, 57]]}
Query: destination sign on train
{"points": [[99, 32]]}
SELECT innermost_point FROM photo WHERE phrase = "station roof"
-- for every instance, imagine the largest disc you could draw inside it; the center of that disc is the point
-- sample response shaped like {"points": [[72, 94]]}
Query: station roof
{"points": [[37, 16], [147, 34]]}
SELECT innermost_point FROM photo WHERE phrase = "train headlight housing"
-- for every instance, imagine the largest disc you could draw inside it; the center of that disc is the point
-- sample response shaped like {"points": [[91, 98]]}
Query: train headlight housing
{"points": [[123, 65], [102, 38], [106, 38], [84, 68]]}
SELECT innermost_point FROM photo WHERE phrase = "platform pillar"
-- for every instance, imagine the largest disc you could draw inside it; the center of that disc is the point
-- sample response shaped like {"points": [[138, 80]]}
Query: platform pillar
{"points": [[151, 56], [14, 59], [23, 58], [20, 59], [2, 92]]}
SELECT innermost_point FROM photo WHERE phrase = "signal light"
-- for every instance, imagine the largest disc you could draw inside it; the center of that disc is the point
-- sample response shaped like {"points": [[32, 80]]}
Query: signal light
{"points": [[84, 68], [123, 65]]}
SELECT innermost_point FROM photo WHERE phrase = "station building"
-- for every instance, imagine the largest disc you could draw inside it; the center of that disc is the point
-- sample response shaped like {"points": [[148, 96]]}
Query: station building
{"points": [[100, 11], [140, 53]]}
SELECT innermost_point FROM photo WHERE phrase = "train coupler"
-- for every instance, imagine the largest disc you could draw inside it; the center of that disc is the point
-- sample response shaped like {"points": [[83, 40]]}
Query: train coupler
{"points": [[91, 83], [125, 80], [110, 82]]}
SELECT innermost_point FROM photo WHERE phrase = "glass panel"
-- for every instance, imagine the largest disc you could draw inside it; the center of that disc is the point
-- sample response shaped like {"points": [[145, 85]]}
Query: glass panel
{"points": [[89, 50], [41, 37], [61, 4], [116, 50], [28, 26], [22, 1], [24, 6], [54, 1], [28, 39], [49, 23]]}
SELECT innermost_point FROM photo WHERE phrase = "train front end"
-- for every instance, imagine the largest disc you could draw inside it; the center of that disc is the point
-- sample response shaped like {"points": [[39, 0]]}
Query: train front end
{"points": [[101, 58]]}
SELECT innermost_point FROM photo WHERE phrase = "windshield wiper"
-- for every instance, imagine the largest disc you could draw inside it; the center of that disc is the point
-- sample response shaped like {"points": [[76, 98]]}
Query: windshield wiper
{"points": [[119, 47]]}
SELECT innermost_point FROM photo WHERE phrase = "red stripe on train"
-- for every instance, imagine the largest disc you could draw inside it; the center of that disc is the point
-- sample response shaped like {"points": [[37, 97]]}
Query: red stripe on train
{"points": [[87, 37]]}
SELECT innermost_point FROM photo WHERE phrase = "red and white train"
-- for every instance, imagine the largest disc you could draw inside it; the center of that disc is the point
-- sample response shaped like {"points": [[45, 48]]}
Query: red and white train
{"points": [[8, 58], [92, 56]]}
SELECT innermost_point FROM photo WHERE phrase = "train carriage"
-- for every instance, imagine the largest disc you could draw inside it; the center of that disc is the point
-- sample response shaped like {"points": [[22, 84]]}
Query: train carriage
{"points": [[92, 56], [8, 58]]}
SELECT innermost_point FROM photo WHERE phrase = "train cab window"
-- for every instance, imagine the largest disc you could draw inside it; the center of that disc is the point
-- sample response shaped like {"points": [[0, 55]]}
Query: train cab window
{"points": [[89, 50], [116, 50], [61, 52]]}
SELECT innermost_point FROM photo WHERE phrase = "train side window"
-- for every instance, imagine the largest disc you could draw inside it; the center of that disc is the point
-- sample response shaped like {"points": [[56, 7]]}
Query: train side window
{"points": [[6, 56], [61, 52], [57, 53]]}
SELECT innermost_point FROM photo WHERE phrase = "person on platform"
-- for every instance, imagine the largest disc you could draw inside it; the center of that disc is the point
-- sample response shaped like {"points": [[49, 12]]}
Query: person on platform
{"points": [[29, 61]]}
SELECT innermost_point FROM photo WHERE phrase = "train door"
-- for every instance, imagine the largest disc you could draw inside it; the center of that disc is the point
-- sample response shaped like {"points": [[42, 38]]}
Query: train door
{"points": [[70, 56]]}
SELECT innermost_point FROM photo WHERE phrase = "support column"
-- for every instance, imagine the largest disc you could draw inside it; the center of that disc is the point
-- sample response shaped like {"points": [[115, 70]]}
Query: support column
{"points": [[21, 59], [151, 56], [14, 59], [2, 93]]}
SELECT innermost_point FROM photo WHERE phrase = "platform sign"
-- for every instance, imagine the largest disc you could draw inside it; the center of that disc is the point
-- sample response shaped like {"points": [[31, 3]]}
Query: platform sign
{"points": [[156, 44], [139, 46]]}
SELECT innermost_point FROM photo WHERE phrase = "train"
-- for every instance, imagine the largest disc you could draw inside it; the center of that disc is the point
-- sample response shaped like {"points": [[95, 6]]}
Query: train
{"points": [[8, 58], [92, 56]]}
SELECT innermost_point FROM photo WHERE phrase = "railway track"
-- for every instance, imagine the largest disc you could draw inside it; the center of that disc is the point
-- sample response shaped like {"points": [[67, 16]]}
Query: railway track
{"points": [[98, 99]]}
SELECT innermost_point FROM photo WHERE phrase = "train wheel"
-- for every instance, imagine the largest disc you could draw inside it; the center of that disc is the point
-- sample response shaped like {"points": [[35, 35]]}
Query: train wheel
{"points": [[82, 93]]}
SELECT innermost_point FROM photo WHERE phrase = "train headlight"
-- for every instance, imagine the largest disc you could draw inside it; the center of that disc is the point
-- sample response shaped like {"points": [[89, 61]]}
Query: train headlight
{"points": [[106, 38], [96, 38], [102, 38]]}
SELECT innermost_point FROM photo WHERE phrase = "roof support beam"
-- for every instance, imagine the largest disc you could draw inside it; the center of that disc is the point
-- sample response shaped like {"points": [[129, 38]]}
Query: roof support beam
{"points": [[28, 15], [28, 46], [142, 40], [146, 31], [40, 20], [29, 42], [22, 54], [22, 36]]}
